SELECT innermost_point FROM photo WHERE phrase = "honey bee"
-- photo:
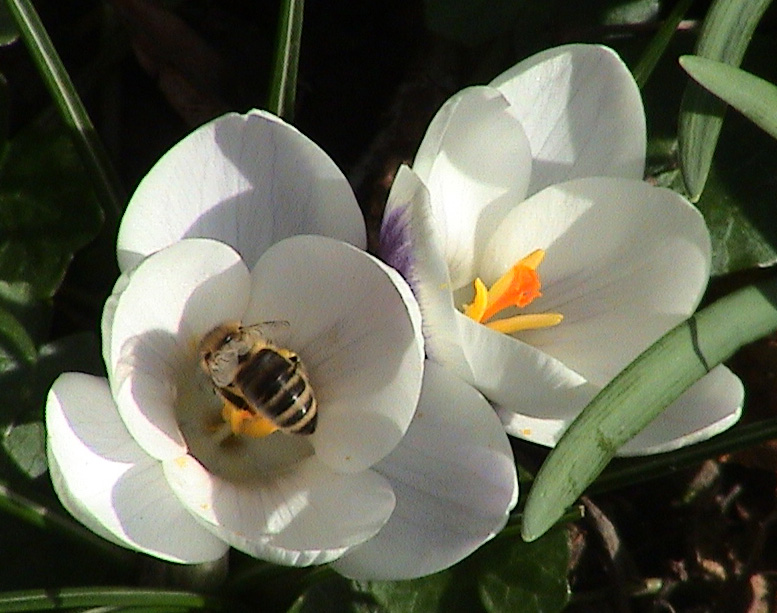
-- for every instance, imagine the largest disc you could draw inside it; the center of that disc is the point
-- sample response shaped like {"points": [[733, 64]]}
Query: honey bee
{"points": [[249, 371]]}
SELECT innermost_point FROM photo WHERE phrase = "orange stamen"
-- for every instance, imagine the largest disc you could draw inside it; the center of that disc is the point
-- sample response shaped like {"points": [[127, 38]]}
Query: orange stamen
{"points": [[518, 287]]}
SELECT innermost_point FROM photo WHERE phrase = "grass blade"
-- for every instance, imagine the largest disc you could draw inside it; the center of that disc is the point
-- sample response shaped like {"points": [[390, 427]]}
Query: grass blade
{"points": [[283, 88], [659, 43], [639, 393], [727, 31], [755, 98], [67, 598], [105, 180]]}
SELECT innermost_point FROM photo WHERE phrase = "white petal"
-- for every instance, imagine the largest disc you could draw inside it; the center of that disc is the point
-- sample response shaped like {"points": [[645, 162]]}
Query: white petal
{"points": [[540, 430], [624, 263], [109, 483], [581, 111], [174, 297], [246, 180], [521, 378], [357, 329], [476, 162], [308, 515], [109, 311], [455, 482], [410, 243], [713, 404]]}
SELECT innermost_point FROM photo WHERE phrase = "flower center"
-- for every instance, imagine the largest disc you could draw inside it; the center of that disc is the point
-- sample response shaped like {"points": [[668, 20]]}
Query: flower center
{"points": [[518, 287]]}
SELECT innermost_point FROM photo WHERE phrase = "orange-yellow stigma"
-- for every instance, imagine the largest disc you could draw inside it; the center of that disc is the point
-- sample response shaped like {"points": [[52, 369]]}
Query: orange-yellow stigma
{"points": [[518, 287], [243, 421]]}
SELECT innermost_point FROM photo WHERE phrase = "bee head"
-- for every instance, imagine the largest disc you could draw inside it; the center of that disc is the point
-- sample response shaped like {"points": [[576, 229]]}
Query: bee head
{"points": [[215, 341]]}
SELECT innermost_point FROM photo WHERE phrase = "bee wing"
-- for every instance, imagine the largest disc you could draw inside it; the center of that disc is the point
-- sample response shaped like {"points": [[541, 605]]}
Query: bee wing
{"points": [[276, 332]]}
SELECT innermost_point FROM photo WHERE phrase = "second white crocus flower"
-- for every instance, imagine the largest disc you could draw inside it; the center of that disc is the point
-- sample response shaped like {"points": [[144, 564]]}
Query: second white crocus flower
{"points": [[246, 220], [542, 261]]}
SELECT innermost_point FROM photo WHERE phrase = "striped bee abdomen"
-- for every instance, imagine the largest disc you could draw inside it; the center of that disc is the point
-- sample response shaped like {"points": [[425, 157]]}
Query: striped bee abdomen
{"points": [[276, 385]]}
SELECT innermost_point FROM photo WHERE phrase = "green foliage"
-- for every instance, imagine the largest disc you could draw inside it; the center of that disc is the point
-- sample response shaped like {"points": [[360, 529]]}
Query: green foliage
{"points": [[25, 444], [738, 202], [640, 392], [658, 45], [9, 33], [727, 31], [755, 98], [46, 600], [101, 174], [481, 22], [283, 86], [47, 210], [506, 575], [525, 577], [23, 390]]}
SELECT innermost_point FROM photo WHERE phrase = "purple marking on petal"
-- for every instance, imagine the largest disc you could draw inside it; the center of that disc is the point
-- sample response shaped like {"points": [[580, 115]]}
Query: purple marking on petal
{"points": [[396, 245]]}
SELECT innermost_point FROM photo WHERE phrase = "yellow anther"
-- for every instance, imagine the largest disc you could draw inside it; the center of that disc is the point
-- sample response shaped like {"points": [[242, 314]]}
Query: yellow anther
{"points": [[479, 303], [509, 325]]}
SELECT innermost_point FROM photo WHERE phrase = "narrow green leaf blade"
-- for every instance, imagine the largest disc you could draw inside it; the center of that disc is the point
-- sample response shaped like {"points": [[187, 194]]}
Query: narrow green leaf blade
{"points": [[659, 43], [755, 98], [66, 598], [726, 33], [105, 180], [283, 88], [639, 393]]}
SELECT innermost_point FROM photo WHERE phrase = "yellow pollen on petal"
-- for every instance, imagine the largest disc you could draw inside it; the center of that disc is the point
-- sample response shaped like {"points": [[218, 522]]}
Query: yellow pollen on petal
{"points": [[518, 287]]}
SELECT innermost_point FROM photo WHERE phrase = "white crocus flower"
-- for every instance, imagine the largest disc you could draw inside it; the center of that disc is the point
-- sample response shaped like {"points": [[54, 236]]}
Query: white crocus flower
{"points": [[542, 262], [247, 220]]}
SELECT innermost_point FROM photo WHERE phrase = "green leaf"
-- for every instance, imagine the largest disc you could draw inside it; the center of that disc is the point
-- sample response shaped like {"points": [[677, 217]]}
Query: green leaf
{"points": [[755, 98], [738, 210], [452, 591], [15, 337], [25, 444], [639, 393], [726, 33], [333, 595], [659, 43], [67, 598], [47, 210], [738, 201], [104, 179], [24, 386], [283, 88], [525, 577], [4, 111], [9, 33], [623, 472]]}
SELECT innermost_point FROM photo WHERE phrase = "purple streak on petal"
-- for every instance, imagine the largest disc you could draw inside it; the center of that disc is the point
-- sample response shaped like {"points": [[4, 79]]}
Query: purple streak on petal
{"points": [[396, 247]]}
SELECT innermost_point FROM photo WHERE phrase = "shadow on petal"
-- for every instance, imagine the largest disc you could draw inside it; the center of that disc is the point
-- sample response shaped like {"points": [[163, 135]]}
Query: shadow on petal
{"points": [[455, 482], [155, 521]]}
